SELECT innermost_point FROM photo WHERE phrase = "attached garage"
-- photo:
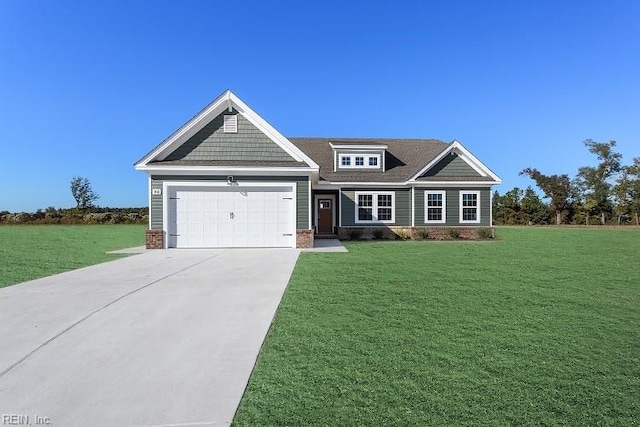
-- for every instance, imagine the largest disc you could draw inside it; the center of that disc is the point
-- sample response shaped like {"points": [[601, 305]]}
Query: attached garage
{"points": [[230, 216]]}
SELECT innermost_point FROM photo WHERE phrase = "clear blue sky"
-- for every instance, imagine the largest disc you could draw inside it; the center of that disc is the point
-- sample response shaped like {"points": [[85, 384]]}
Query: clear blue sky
{"points": [[89, 87]]}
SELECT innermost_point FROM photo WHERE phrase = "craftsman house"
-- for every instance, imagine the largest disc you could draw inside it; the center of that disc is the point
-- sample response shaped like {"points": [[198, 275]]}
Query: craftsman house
{"points": [[227, 178]]}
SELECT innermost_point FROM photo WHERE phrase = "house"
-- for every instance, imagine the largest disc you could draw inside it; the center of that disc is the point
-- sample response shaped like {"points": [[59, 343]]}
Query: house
{"points": [[227, 178]]}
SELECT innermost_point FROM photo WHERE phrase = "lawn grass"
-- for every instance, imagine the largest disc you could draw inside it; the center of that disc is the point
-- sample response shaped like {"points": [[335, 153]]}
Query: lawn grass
{"points": [[32, 251], [541, 327]]}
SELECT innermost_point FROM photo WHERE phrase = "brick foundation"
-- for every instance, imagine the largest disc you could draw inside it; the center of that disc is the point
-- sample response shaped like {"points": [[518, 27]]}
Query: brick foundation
{"points": [[155, 239], [304, 239], [414, 233]]}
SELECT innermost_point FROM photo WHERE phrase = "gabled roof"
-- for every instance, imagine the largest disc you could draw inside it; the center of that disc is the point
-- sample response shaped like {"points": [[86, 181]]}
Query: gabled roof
{"points": [[484, 173], [226, 101]]}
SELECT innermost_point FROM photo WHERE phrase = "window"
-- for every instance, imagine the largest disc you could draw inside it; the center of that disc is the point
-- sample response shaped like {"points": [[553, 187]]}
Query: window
{"points": [[359, 161], [375, 207], [230, 123], [470, 206], [435, 206]]}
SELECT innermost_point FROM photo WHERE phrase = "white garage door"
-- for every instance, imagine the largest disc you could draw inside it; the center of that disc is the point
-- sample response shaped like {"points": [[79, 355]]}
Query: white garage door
{"points": [[231, 217]]}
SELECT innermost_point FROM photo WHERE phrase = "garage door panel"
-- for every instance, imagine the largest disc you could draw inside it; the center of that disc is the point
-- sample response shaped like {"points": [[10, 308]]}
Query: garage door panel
{"points": [[231, 217]]}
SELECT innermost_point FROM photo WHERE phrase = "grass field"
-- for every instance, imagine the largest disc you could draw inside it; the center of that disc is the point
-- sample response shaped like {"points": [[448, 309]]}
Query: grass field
{"points": [[33, 251], [541, 327]]}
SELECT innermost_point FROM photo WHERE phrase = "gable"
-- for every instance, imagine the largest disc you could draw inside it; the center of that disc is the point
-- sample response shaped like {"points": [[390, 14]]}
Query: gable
{"points": [[211, 143], [201, 145], [451, 166]]}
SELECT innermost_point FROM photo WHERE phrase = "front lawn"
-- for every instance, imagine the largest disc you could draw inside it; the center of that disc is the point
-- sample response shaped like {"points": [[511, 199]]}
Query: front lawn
{"points": [[32, 251], [541, 327]]}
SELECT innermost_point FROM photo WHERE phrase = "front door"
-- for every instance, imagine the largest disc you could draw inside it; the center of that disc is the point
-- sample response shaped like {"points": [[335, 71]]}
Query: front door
{"points": [[325, 216]]}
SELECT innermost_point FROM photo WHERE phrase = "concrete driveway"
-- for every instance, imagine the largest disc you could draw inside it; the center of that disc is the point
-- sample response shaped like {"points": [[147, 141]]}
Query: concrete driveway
{"points": [[164, 338]]}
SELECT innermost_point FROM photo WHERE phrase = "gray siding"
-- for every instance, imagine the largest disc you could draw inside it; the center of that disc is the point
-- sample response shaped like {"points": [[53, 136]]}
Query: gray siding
{"points": [[451, 166], [453, 206], [211, 143], [402, 201], [302, 194], [155, 210]]}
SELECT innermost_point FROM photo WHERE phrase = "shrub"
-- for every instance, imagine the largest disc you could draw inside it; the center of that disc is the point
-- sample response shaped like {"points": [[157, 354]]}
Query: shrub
{"points": [[354, 234], [378, 234], [484, 233], [401, 234], [423, 234], [454, 233]]}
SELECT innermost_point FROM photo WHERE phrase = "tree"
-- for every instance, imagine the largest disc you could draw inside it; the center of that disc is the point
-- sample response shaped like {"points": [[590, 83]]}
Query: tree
{"points": [[595, 181], [83, 193], [627, 191], [535, 211], [557, 188], [507, 208]]}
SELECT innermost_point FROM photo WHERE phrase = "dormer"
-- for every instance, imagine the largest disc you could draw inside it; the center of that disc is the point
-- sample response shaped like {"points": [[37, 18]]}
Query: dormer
{"points": [[351, 156]]}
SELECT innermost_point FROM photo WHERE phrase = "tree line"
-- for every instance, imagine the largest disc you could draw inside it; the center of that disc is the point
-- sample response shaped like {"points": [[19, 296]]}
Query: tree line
{"points": [[85, 212], [607, 193]]}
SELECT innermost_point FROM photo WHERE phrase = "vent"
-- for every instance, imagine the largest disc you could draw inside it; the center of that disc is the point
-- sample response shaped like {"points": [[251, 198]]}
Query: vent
{"points": [[230, 123]]}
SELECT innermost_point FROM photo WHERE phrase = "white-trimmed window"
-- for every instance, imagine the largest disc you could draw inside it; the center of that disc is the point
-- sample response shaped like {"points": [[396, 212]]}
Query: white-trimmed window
{"points": [[359, 161], [230, 123], [375, 207], [469, 207], [435, 207]]}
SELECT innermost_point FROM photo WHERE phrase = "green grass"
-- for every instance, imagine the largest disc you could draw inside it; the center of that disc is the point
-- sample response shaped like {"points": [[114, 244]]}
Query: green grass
{"points": [[541, 327], [32, 251]]}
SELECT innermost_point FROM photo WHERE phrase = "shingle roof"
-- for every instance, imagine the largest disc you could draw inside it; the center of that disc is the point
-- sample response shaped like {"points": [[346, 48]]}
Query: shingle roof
{"points": [[404, 157]]}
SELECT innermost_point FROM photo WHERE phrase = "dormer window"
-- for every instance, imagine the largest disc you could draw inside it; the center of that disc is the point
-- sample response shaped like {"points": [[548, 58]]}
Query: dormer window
{"points": [[359, 161], [349, 157]]}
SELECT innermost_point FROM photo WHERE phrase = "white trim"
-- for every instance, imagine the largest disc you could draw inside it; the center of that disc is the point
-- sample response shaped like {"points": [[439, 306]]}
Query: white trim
{"points": [[149, 198], [444, 207], [413, 206], [339, 206], [326, 185], [357, 147], [209, 113], [333, 209], [464, 154], [477, 193], [222, 170], [310, 222], [374, 206], [166, 185]]}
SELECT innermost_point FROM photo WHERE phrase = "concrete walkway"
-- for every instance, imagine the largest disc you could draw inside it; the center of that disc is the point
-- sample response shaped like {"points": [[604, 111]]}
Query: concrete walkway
{"points": [[166, 337]]}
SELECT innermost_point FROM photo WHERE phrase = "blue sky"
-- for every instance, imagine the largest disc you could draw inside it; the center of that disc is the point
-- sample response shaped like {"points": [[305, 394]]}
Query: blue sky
{"points": [[87, 88]]}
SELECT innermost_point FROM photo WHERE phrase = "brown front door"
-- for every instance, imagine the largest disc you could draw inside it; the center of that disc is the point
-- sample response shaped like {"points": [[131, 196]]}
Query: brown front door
{"points": [[325, 216]]}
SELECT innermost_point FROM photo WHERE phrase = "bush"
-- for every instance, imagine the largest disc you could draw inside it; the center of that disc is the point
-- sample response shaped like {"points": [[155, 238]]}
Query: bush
{"points": [[423, 234], [378, 234], [401, 234], [355, 234], [484, 233], [454, 233]]}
